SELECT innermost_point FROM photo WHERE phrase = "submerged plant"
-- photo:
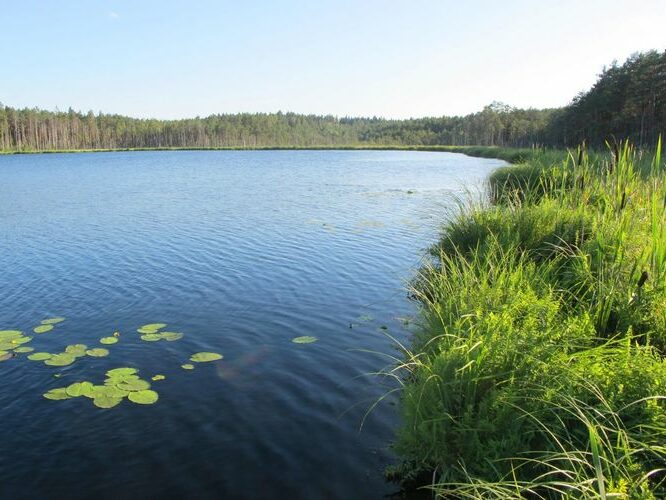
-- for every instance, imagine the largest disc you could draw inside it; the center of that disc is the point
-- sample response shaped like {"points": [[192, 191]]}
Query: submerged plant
{"points": [[53, 321]]}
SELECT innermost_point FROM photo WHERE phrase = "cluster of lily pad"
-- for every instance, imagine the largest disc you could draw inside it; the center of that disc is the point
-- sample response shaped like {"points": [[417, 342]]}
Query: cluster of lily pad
{"points": [[69, 355], [201, 357], [151, 333], [11, 341], [120, 383], [47, 325]]}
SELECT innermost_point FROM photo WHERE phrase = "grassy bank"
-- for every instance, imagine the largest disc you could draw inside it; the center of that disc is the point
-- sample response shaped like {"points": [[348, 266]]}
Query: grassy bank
{"points": [[538, 368]]}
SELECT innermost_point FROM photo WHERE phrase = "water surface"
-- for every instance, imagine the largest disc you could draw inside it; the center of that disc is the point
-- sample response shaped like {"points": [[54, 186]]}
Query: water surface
{"points": [[242, 251]]}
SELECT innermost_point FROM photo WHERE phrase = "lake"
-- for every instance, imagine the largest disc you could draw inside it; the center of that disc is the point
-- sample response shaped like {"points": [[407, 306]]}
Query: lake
{"points": [[241, 251]]}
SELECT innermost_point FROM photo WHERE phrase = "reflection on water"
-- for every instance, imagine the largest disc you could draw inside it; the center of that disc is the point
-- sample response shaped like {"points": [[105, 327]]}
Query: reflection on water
{"points": [[243, 251]]}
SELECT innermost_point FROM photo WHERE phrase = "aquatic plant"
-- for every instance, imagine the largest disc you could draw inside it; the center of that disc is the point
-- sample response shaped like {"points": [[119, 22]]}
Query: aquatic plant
{"points": [[97, 352], [204, 357], [120, 383], [53, 321], [40, 356], [168, 336], [306, 339], [151, 328], [12, 340]]}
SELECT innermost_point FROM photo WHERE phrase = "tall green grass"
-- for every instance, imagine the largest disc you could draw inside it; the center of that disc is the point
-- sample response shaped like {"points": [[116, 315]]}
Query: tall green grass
{"points": [[538, 366]]}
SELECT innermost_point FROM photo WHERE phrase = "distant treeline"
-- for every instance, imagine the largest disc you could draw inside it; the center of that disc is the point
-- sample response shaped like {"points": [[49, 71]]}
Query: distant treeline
{"points": [[628, 101]]}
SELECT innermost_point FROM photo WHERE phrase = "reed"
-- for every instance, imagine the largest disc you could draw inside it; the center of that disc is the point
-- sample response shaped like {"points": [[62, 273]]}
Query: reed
{"points": [[537, 369]]}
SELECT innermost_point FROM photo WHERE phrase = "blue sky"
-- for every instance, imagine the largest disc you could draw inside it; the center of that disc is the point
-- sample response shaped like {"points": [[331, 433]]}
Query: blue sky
{"points": [[398, 59]]}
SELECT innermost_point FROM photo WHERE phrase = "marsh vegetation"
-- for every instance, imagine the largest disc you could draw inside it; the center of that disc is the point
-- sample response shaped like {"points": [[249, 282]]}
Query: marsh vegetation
{"points": [[538, 367]]}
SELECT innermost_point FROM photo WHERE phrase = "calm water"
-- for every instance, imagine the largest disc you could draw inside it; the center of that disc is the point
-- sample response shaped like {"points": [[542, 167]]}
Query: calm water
{"points": [[241, 251]]}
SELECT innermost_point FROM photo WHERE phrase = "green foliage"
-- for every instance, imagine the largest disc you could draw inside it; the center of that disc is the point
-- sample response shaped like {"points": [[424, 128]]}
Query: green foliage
{"points": [[306, 339], [62, 359], [97, 352], [538, 369], [204, 357], [168, 336], [145, 397], [53, 321], [627, 101], [40, 356], [151, 328]]}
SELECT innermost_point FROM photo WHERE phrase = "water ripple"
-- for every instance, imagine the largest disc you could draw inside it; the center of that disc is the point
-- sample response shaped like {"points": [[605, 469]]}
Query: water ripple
{"points": [[242, 251]]}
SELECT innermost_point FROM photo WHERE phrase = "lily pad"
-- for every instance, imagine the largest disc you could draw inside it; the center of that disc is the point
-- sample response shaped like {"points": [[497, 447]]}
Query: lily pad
{"points": [[76, 350], [151, 328], [97, 352], [171, 336], [7, 335], [121, 371], [187, 366], [306, 339], [157, 377], [53, 321], [62, 359], [79, 389], [57, 394], [151, 337], [146, 397], [23, 350], [20, 340], [133, 385], [117, 379], [108, 391], [4, 356], [106, 401], [108, 340], [204, 357], [42, 328], [40, 356]]}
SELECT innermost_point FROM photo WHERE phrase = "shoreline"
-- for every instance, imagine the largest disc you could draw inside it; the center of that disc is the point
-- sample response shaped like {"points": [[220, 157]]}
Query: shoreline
{"points": [[511, 155]]}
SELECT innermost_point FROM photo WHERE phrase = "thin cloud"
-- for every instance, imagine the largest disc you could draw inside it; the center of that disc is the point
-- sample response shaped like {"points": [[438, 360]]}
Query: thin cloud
{"points": [[114, 15]]}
